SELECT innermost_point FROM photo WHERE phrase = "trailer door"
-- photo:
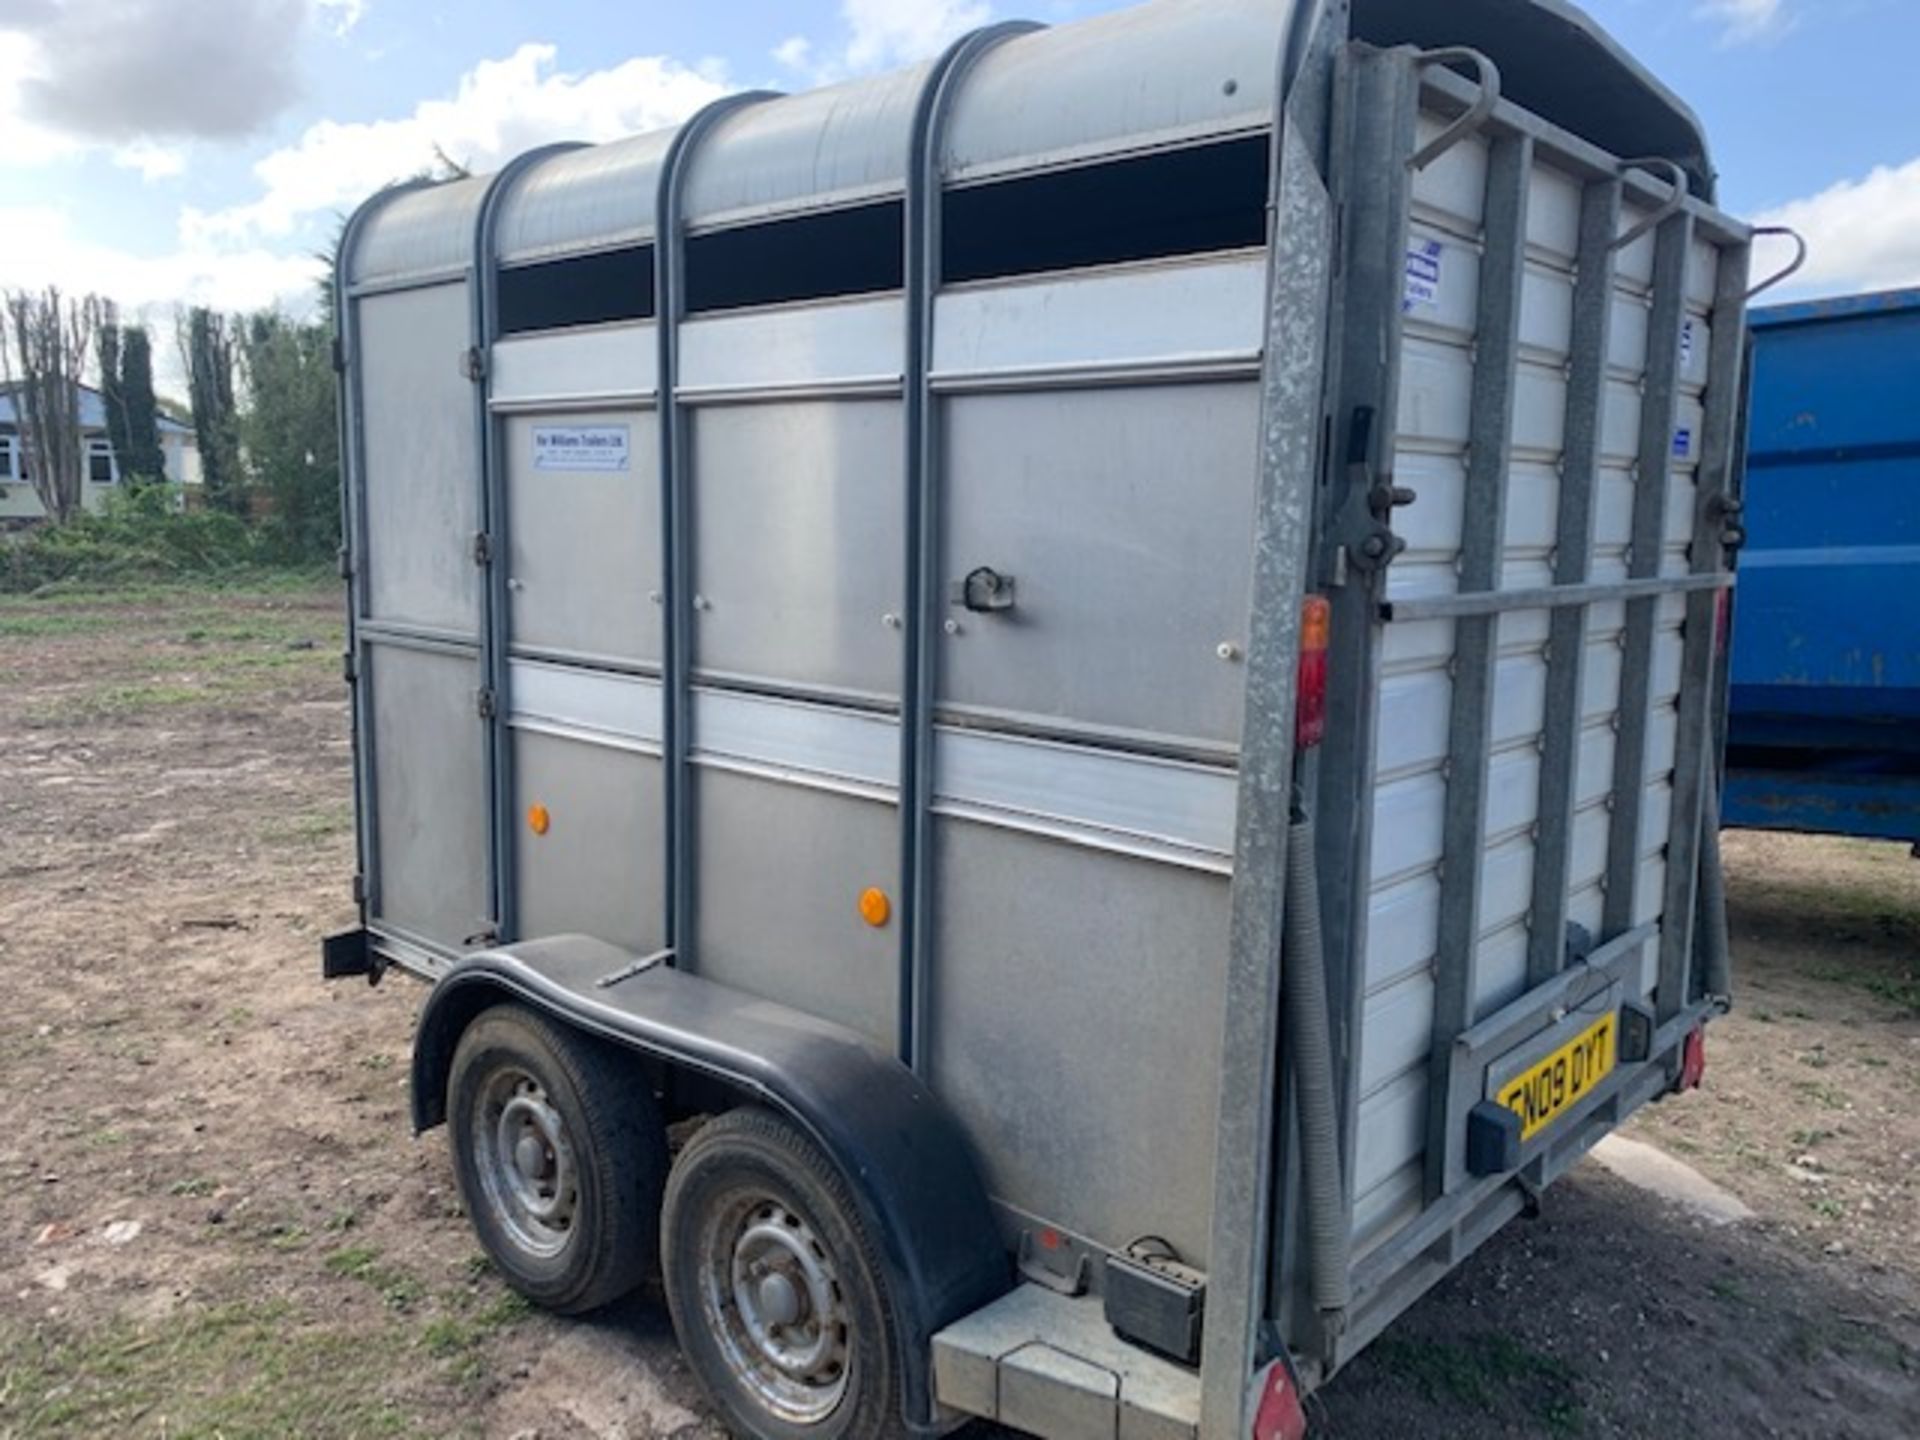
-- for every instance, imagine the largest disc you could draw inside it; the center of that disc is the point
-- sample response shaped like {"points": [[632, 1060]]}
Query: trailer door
{"points": [[414, 515], [1535, 381]]}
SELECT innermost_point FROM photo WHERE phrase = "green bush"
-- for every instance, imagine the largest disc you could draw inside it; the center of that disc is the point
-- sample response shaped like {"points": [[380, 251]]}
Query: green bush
{"points": [[140, 534]]}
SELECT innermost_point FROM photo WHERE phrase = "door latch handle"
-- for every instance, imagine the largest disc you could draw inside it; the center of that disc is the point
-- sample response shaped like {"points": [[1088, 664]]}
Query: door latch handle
{"points": [[984, 590]]}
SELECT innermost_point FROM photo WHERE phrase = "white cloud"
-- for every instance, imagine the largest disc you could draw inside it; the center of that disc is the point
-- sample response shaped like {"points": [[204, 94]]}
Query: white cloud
{"points": [[883, 33], [39, 247], [1861, 234], [1744, 21], [338, 17], [154, 162], [499, 109], [24, 141]]}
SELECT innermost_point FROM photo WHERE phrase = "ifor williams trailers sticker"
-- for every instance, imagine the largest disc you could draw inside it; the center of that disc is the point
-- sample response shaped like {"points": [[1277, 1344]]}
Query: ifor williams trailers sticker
{"points": [[580, 447]]}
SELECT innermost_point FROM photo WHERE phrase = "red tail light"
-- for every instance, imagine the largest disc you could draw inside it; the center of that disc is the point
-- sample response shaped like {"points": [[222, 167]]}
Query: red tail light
{"points": [[1722, 620], [1310, 704], [1279, 1414], [1693, 1059]]}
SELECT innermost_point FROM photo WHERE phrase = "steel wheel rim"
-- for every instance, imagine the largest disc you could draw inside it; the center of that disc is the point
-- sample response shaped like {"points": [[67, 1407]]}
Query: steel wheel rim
{"points": [[774, 1303], [528, 1172]]}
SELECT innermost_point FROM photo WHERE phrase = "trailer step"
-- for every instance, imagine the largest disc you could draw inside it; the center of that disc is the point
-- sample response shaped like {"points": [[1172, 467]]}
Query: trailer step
{"points": [[1050, 1364]]}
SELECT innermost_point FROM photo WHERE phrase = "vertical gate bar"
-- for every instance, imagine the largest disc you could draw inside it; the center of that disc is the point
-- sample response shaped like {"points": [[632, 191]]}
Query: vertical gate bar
{"points": [[353, 490], [1591, 343], [1382, 93], [1503, 269], [920, 661], [1658, 408], [1293, 378], [497, 602], [1693, 753], [676, 588]]}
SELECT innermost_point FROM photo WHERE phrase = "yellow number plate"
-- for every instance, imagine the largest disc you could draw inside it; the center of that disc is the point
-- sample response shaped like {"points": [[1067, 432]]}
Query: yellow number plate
{"points": [[1543, 1093]]}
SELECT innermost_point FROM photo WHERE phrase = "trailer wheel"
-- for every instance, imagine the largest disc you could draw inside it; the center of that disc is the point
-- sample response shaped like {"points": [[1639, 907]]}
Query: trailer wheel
{"points": [[561, 1156], [775, 1287]]}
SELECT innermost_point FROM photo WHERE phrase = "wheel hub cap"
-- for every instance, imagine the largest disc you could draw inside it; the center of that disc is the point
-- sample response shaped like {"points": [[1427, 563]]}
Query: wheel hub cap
{"points": [[774, 1296], [528, 1174]]}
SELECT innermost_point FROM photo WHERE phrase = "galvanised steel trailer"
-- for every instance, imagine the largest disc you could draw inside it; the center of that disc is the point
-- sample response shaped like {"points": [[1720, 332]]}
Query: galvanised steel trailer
{"points": [[1824, 728], [844, 596]]}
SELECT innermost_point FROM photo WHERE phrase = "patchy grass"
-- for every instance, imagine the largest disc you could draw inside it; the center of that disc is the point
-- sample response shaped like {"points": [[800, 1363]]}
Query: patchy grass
{"points": [[398, 1289], [309, 827], [237, 1370], [1486, 1373]]}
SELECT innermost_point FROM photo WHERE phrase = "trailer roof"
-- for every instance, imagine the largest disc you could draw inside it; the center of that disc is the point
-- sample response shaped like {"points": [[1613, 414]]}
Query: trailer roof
{"points": [[1162, 74]]}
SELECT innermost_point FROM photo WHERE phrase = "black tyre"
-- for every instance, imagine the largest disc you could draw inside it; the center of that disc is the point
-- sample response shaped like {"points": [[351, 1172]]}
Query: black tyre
{"points": [[776, 1289], [561, 1156]]}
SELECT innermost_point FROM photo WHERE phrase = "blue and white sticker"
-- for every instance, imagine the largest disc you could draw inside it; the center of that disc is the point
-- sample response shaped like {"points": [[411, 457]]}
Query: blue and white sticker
{"points": [[1423, 276], [1683, 444], [580, 447]]}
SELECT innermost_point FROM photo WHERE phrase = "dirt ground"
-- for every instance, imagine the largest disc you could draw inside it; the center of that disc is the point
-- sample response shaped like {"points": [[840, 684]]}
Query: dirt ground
{"points": [[214, 1222]]}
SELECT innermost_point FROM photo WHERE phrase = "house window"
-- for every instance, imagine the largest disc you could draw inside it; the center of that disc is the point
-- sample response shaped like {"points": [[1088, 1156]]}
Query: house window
{"points": [[9, 458], [100, 467]]}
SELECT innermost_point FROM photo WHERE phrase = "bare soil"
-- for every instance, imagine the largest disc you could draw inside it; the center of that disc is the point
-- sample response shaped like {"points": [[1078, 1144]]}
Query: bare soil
{"points": [[214, 1220]]}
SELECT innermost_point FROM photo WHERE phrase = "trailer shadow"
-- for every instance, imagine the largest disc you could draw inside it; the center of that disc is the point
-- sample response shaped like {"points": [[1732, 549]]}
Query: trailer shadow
{"points": [[1616, 1313]]}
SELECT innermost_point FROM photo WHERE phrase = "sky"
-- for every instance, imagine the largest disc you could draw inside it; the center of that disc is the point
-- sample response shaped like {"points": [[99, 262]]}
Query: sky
{"points": [[166, 151]]}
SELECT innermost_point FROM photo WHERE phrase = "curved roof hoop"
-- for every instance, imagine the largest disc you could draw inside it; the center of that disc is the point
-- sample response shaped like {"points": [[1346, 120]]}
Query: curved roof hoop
{"points": [[669, 288], [921, 273], [491, 552]]}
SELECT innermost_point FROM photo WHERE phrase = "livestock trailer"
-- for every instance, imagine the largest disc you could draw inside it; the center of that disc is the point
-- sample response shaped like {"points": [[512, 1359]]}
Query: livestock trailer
{"points": [[1824, 727], [1088, 667]]}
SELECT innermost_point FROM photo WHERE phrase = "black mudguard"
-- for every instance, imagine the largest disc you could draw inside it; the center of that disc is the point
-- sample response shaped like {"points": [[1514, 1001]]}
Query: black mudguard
{"points": [[901, 1151]]}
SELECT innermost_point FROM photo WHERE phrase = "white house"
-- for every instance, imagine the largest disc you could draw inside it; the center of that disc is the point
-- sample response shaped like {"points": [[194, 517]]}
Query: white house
{"points": [[17, 498]]}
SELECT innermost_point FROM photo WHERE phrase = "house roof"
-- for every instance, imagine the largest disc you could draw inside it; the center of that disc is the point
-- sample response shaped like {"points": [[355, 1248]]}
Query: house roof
{"points": [[93, 411]]}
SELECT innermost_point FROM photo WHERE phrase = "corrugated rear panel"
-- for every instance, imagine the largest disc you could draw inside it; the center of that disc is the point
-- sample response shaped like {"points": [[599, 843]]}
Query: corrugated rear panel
{"points": [[1435, 412]]}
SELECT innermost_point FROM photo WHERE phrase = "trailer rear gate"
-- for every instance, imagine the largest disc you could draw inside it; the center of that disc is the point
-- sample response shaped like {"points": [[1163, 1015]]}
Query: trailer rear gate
{"points": [[730, 419]]}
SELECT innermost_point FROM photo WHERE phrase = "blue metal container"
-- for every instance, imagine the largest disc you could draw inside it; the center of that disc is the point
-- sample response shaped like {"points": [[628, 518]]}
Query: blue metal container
{"points": [[1824, 727]]}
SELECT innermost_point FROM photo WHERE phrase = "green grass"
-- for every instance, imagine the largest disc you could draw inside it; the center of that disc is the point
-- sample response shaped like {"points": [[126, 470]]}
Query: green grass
{"points": [[1830, 1096], [309, 827], [1480, 1372], [396, 1287], [237, 1372]]}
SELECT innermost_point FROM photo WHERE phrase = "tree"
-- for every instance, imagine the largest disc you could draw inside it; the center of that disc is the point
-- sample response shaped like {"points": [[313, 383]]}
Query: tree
{"points": [[44, 342], [206, 342], [142, 458], [107, 349], [126, 391], [289, 430]]}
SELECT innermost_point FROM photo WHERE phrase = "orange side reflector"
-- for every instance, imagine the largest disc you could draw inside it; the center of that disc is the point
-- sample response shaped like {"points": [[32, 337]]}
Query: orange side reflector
{"points": [[875, 908], [538, 820]]}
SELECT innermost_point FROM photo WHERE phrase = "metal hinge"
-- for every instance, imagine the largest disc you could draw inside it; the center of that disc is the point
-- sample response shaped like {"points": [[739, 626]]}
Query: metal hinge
{"points": [[485, 703], [473, 364], [339, 356], [482, 548], [344, 560], [349, 672], [359, 889]]}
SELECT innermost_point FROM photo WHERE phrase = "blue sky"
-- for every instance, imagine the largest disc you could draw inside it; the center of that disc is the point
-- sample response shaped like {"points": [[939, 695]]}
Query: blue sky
{"points": [[159, 151]]}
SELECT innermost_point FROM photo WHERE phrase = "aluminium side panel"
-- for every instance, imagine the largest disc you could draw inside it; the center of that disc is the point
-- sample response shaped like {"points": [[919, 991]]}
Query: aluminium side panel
{"points": [[1083, 787], [796, 504], [419, 489], [1109, 508], [797, 544], [583, 552], [421, 470]]}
